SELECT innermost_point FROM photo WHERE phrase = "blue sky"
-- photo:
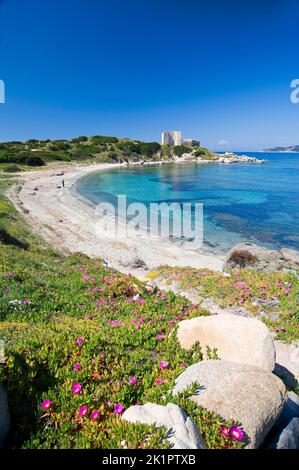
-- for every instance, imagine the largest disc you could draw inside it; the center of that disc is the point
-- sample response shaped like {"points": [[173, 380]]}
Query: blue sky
{"points": [[219, 70]]}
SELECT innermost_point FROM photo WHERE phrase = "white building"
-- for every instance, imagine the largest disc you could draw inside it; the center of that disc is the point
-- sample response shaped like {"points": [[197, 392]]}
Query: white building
{"points": [[171, 138]]}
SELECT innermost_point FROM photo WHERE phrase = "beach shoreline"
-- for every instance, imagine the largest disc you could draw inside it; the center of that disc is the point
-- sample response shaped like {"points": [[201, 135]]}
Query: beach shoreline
{"points": [[68, 222]]}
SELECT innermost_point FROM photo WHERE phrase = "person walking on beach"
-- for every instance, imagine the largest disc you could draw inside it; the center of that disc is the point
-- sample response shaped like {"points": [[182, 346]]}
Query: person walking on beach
{"points": [[63, 183]]}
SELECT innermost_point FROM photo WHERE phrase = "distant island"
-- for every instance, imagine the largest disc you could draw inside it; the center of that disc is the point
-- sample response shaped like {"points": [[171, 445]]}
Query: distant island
{"points": [[290, 149]]}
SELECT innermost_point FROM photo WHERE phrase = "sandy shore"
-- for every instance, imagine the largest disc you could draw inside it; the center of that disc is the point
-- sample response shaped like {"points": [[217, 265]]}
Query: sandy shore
{"points": [[70, 224]]}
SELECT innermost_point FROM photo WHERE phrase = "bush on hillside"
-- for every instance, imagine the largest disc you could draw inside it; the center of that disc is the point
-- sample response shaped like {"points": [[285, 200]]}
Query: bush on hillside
{"points": [[98, 139]]}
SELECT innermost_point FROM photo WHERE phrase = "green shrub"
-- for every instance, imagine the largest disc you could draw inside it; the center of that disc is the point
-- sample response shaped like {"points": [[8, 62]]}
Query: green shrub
{"points": [[11, 168]]}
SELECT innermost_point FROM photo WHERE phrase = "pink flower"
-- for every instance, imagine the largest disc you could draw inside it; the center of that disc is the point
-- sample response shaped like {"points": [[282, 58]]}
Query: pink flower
{"points": [[137, 402], [77, 387], [83, 411], [183, 366], [159, 382], [77, 366], [224, 431], [9, 275], [159, 337], [236, 433], [94, 416], [25, 302], [46, 404], [79, 341], [164, 364], [133, 380], [118, 409]]}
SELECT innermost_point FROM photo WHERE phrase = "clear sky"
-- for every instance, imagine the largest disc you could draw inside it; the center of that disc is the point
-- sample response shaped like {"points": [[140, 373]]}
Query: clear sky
{"points": [[219, 70]]}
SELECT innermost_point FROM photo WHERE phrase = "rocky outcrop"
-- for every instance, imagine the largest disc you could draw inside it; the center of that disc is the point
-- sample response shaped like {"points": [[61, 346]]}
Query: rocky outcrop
{"points": [[181, 431], [236, 338], [230, 157], [250, 395], [249, 255], [4, 415]]}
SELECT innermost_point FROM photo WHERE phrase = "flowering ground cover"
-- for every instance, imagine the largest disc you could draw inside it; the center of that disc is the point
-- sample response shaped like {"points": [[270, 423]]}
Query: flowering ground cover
{"points": [[272, 297], [83, 343]]}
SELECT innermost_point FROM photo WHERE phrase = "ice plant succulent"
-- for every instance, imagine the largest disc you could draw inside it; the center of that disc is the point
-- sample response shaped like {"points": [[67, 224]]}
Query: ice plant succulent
{"points": [[133, 380], [94, 416], [224, 431], [236, 433], [46, 404], [118, 409], [164, 364], [77, 387], [83, 411]]}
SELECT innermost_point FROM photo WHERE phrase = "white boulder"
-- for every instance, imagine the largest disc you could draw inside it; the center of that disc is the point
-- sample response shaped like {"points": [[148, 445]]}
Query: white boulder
{"points": [[181, 431], [236, 338]]}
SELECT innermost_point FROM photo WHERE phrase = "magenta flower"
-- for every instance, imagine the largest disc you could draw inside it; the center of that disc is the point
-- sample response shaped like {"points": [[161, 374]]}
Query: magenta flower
{"points": [[26, 301], [46, 404], [77, 387], [79, 341], [94, 416], [77, 366], [118, 409], [236, 433], [159, 337], [159, 382], [83, 411], [164, 364], [133, 380], [183, 366], [224, 431]]}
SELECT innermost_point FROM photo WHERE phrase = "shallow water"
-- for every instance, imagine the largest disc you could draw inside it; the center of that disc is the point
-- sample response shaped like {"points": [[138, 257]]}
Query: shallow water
{"points": [[241, 201]]}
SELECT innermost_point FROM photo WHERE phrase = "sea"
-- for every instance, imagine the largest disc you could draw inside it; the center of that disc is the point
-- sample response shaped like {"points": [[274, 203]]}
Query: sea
{"points": [[241, 202]]}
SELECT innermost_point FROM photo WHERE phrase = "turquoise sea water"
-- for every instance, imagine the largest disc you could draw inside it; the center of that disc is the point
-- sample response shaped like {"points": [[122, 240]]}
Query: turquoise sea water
{"points": [[241, 201]]}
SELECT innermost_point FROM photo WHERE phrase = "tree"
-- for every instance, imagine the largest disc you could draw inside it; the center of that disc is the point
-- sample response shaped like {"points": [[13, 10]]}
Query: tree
{"points": [[149, 148], [179, 150]]}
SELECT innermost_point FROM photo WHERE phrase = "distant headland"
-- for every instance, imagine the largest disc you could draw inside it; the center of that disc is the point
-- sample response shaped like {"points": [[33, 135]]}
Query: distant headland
{"points": [[290, 149]]}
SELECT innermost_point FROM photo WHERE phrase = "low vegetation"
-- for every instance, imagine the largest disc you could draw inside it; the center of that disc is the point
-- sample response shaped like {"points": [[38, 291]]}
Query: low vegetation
{"points": [[82, 344], [15, 155], [272, 297]]}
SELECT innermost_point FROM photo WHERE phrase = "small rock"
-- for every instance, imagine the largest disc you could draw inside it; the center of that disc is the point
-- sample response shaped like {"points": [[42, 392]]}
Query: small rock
{"points": [[289, 438], [249, 395], [181, 431], [4, 415], [237, 339]]}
